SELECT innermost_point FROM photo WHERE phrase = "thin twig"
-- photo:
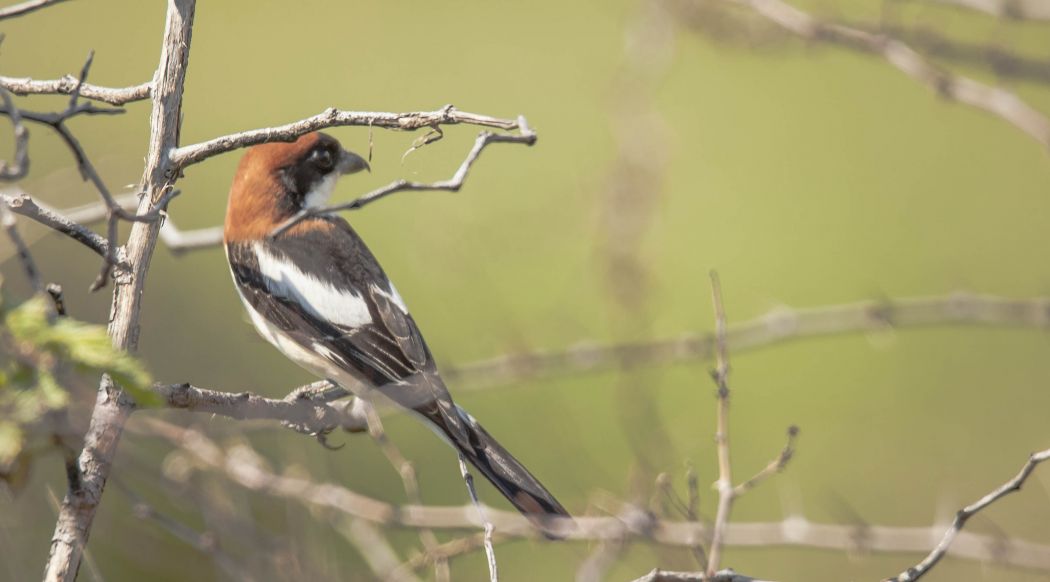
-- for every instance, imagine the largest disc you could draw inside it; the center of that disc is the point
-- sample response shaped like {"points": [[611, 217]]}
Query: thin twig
{"points": [[66, 85], [525, 136], [10, 226], [490, 552], [775, 466], [448, 115], [19, 166], [964, 514], [724, 484], [25, 205]]}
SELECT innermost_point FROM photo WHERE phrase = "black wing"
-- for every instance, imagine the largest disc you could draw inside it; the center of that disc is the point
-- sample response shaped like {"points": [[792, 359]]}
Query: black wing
{"points": [[325, 290]]}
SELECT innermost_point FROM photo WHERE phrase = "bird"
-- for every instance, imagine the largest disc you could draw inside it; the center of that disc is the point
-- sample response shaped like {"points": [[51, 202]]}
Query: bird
{"points": [[317, 293]]}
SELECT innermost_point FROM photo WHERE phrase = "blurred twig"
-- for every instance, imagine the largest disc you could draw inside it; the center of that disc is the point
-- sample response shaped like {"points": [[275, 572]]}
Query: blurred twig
{"points": [[995, 100], [777, 326], [407, 472], [727, 575], [724, 485], [25, 8], [1009, 9], [241, 465]]}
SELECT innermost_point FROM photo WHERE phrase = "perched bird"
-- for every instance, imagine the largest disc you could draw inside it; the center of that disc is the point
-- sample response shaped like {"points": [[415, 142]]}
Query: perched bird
{"points": [[318, 294]]}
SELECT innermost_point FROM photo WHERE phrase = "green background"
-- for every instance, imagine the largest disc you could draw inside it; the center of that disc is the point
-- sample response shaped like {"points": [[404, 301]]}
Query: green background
{"points": [[806, 175]]}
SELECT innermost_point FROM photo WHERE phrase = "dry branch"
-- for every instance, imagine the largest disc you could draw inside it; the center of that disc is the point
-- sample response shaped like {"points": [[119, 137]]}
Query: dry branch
{"points": [[313, 416], [25, 205], [112, 407], [332, 117], [68, 84], [526, 136]]}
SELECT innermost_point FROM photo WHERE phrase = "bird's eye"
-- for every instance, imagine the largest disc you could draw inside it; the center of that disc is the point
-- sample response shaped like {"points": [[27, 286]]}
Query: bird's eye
{"points": [[322, 158]]}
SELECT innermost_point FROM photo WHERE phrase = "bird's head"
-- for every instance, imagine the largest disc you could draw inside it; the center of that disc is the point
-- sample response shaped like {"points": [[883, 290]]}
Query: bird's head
{"points": [[276, 180]]}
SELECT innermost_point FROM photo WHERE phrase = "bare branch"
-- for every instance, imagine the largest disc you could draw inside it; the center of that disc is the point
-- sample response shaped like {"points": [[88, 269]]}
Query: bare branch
{"points": [[66, 85], [112, 406], [332, 117], [994, 100], [1009, 9], [964, 514], [526, 136], [780, 325], [311, 415], [25, 205], [26, 8]]}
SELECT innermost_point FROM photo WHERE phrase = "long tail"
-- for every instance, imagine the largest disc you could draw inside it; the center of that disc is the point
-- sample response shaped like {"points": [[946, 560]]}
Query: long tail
{"points": [[508, 475]]}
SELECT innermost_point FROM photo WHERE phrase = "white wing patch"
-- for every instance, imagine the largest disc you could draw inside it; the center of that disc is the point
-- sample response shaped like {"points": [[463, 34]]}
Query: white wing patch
{"points": [[338, 306]]}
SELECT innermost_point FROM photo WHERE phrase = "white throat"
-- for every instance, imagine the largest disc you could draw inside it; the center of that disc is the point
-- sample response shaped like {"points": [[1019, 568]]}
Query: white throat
{"points": [[318, 196]]}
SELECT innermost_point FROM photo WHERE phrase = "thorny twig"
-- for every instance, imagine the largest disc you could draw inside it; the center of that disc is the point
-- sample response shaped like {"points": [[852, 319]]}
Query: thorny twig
{"points": [[525, 136]]}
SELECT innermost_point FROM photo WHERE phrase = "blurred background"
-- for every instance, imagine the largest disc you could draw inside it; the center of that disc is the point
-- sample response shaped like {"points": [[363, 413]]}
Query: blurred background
{"points": [[674, 138]]}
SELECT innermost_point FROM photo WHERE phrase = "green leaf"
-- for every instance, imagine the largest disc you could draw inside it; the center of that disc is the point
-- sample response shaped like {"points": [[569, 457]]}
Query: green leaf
{"points": [[85, 345]]}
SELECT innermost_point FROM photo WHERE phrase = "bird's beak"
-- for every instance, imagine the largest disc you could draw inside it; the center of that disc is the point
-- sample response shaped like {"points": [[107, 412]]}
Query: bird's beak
{"points": [[350, 163]]}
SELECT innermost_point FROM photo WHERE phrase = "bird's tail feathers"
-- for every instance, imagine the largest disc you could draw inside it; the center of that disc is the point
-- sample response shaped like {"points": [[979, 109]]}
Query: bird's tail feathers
{"points": [[505, 472]]}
